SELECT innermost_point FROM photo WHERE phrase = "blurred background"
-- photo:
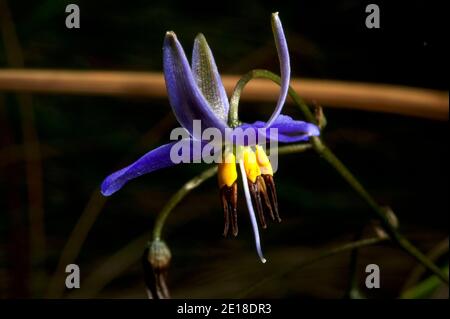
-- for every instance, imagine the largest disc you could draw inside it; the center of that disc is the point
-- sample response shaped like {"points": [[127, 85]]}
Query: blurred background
{"points": [[55, 150]]}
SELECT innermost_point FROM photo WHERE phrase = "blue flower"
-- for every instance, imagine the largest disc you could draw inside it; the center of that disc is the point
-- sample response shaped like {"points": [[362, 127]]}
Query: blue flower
{"points": [[196, 92]]}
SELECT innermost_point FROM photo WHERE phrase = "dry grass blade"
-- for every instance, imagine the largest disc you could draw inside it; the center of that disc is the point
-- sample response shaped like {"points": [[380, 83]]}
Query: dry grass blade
{"points": [[354, 95]]}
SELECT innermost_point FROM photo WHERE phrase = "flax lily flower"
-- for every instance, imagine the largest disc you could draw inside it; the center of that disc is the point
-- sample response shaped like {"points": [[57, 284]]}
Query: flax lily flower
{"points": [[196, 93]]}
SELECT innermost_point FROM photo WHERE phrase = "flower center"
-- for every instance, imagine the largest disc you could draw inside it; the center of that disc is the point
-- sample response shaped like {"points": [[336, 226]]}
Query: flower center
{"points": [[259, 188]]}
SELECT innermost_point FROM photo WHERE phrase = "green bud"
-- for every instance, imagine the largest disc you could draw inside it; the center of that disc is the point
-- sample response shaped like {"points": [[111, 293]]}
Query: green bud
{"points": [[320, 116]]}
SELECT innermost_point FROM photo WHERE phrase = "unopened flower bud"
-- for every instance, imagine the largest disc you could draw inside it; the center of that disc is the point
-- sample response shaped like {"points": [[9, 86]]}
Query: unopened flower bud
{"points": [[156, 260], [159, 255], [319, 115]]}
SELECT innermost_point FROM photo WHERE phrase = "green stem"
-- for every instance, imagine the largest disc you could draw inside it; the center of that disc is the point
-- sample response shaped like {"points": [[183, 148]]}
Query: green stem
{"points": [[329, 156], [293, 148], [233, 117], [179, 195]]}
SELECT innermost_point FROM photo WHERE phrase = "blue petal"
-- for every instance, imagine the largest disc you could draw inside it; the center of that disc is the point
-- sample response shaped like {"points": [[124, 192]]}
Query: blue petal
{"points": [[289, 130], [187, 102], [208, 78], [285, 66], [152, 161], [157, 159]]}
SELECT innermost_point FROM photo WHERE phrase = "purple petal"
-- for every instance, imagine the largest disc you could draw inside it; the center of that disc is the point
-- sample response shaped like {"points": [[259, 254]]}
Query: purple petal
{"points": [[187, 102], [154, 160], [208, 78], [285, 66], [289, 130]]}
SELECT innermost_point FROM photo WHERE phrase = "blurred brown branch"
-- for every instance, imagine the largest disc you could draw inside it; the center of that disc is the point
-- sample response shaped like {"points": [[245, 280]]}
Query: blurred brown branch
{"points": [[32, 150], [409, 101]]}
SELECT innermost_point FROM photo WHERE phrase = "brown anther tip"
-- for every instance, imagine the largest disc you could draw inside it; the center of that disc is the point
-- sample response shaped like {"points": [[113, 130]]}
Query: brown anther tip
{"points": [[265, 197], [272, 195], [255, 193], [228, 197]]}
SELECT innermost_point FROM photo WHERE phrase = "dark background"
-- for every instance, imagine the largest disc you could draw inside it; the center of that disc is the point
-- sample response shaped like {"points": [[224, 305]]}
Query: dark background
{"points": [[401, 160]]}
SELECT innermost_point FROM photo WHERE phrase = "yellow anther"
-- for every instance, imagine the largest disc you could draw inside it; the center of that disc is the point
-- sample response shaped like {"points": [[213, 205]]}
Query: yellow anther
{"points": [[251, 165], [263, 161], [227, 172]]}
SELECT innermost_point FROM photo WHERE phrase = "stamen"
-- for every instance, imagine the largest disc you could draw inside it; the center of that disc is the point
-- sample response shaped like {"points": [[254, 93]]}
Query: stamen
{"points": [[228, 196], [272, 192], [227, 176], [226, 213], [251, 212], [265, 196], [269, 184], [263, 161], [256, 198], [251, 165], [256, 183]]}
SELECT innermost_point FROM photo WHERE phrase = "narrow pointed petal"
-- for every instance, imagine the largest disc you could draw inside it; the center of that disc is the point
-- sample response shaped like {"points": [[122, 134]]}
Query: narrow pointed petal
{"points": [[252, 213], [187, 102], [154, 160], [208, 79], [285, 66], [289, 130]]}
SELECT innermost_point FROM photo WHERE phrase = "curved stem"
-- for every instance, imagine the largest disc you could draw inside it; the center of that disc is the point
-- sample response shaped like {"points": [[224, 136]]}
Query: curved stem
{"points": [[233, 118], [179, 195], [345, 173]]}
